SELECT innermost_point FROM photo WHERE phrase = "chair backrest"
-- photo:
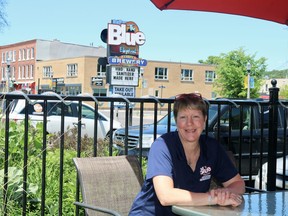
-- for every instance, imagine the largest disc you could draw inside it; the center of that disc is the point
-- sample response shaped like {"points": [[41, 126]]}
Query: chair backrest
{"points": [[111, 182]]}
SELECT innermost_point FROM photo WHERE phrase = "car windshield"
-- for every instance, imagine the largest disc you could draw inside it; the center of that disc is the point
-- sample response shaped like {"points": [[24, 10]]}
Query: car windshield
{"points": [[89, 113], [211, 113]]}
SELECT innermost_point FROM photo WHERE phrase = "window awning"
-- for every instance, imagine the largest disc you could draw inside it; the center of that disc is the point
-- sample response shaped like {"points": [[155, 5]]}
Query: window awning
{"points": [[24, 82]]}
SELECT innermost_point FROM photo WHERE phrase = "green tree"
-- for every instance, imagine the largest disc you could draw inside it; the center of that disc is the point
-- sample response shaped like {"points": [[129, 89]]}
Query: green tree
{"points": [[283, 92], [231, 72], [277, 74], [211, 60]]}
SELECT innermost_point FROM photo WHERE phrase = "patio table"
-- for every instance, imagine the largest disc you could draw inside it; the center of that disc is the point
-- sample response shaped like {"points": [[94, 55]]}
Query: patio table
{"points": [[270, 203]]}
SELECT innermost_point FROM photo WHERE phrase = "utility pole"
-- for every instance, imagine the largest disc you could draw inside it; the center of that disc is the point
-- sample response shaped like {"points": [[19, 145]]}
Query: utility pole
{"points": [[248, 68]]}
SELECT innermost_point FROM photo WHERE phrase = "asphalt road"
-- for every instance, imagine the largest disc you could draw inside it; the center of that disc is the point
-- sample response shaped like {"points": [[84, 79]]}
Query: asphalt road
{"points": [[148, 116]]}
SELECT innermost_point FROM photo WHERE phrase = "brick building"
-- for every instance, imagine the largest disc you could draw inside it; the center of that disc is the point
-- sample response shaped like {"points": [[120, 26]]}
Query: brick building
{"points": [[19, 61]]}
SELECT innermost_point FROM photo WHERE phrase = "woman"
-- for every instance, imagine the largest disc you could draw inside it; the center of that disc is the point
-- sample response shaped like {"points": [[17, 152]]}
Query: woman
{"points": [[182, 163]]}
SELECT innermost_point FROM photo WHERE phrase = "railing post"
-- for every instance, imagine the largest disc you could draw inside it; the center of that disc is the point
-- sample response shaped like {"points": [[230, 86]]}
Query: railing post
{"points": [[273, 127], [130, 116]]}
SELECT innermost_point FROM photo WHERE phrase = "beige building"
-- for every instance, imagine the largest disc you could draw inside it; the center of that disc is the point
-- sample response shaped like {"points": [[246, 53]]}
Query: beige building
{"points": [[70, 69], [69, 76], [158, 78], [166, 79]]}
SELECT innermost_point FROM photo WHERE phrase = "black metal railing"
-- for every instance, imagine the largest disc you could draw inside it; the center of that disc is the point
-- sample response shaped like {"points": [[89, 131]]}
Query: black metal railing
{"points": [[257, 133]]}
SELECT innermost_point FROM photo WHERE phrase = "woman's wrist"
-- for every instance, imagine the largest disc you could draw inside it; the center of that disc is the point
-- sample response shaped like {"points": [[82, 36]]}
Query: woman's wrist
{"points": [[210, 199]]}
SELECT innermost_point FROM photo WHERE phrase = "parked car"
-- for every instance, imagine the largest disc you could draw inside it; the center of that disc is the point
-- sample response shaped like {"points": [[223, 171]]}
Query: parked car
{"points": [[240, 129], [281, 175], [54, 108]]}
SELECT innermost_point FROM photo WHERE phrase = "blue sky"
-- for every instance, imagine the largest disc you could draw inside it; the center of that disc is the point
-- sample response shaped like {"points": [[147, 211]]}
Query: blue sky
{"points": [[178, 36]]}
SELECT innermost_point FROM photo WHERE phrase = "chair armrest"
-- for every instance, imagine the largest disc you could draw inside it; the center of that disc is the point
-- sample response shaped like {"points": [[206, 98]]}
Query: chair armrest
{"points": [[97, 208]]}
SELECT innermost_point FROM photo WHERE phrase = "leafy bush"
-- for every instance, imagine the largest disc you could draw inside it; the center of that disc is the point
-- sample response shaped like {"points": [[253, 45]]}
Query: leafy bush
{"points": [[14, 191], [15, 187], [34, 167]]}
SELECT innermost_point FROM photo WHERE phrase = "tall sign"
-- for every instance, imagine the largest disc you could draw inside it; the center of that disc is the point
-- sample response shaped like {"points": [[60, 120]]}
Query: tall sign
{"points": [[123, 40]]}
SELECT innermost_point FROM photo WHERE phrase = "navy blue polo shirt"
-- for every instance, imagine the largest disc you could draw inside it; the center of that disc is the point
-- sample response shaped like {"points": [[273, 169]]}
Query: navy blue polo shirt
{"points": [[167, 157]]}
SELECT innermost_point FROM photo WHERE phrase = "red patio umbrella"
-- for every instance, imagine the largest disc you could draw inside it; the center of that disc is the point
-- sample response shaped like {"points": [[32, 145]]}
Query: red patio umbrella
{"points": [[272, 10]]}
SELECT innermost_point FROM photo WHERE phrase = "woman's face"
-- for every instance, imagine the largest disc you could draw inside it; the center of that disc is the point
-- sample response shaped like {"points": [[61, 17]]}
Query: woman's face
{"points": [[190, 124]]}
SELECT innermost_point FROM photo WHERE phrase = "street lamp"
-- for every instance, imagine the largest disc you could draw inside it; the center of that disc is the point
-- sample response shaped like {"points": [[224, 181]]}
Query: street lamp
{"points": [[161, 90], [248, 68], [8, 61]]}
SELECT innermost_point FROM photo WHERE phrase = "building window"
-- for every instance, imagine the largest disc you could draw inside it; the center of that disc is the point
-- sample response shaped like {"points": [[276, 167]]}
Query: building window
{"points": [[10, 55], [99, 92], [24, 54], [210, 76], [13, 73], [19, 72], [156, 93], [31, 71], [32, 53], [27, 71], [28, 54], [47, 72], [161, 73], [3, 57], [186, 75], [101, 70], [7, 56], [72, 70], [14, 56], [20, 55], [73, 89], [23, 72]]}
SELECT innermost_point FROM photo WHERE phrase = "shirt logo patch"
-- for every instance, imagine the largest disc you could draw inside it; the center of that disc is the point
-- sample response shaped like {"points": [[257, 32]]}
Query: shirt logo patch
{"points": [[205, 172]]}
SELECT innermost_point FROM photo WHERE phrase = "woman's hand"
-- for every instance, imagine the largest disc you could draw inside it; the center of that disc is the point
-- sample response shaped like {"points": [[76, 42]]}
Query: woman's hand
{"points": [[224, 197]]}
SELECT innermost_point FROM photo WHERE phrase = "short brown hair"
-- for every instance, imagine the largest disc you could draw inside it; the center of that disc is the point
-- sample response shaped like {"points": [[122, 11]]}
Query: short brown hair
{"points": [[190, 101]]}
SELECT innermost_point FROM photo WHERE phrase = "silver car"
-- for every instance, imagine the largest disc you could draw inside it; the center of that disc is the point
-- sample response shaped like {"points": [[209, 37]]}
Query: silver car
{"points": [[54, 111]]}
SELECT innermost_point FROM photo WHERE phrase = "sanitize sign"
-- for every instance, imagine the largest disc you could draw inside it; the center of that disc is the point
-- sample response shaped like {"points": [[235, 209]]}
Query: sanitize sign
{"points": [[124, 76]]}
